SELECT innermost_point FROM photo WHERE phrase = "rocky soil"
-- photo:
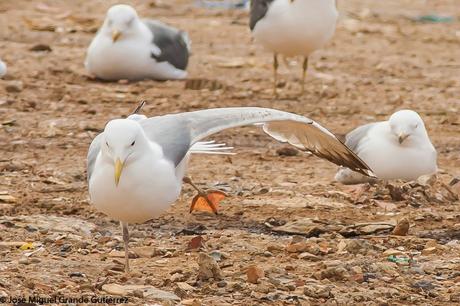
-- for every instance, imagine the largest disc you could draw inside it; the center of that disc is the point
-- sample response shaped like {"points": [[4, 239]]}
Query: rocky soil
{"points": [[287, 233]]}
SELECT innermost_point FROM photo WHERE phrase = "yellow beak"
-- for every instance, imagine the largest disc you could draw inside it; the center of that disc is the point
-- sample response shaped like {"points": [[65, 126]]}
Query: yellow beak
{"points": [[402, 137], [118, 170], [115, 35]]}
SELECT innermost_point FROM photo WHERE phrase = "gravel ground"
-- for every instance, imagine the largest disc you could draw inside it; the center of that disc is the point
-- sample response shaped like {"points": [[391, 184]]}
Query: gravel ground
{"points": [[287, 234]]}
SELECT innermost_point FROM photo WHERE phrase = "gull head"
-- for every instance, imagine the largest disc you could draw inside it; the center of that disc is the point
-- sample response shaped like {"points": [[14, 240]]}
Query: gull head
{"points": [[121, 21], [122, 144], [406, 124]]}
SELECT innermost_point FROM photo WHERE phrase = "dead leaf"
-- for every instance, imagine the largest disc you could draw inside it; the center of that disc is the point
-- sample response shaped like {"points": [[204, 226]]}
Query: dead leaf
{"points": [[195, 243]]}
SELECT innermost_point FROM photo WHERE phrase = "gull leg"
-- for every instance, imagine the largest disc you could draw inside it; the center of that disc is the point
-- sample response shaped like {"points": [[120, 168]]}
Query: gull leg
{"points": [[205, 201], [124, 228], [304, 74], [275, 73]]}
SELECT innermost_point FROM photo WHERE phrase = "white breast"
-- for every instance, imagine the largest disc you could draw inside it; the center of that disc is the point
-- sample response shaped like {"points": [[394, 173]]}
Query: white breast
{"points": [[146, 189], [297, 28]]}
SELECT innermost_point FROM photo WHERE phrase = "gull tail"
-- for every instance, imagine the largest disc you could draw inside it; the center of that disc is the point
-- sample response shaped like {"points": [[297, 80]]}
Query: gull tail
{"points": [[211, 147]]}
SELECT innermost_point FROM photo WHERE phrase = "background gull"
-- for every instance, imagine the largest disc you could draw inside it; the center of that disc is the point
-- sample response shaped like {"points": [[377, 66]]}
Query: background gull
{"points": [[395, 149], [136, 167], [292, 28], [3, 69], [126, 47]]}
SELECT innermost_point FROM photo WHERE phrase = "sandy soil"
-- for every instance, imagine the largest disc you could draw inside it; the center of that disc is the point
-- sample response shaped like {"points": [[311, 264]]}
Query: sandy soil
{"points": [[285, 215]]}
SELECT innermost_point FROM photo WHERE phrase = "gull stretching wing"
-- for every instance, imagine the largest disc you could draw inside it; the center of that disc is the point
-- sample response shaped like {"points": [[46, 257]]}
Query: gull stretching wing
{"points": [[152, 153], [176, 133]]}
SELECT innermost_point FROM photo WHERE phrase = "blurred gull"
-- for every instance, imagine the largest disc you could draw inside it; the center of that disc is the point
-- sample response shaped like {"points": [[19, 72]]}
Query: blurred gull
{"points": [[395, 149], [292, 28], [126, 47], [136, 166], [3, 69]]}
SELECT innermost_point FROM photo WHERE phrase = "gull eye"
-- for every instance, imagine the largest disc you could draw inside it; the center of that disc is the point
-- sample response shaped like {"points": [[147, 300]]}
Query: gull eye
{"points": [[133, 143]]}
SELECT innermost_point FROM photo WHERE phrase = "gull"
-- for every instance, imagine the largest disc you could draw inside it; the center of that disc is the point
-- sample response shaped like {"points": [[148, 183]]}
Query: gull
{"points": [[3, 69], [395, 149], [136, 166], [292, 28], [126, 47]]}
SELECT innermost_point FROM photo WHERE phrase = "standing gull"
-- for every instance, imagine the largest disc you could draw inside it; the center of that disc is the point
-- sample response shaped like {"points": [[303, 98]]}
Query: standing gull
{"points": [[126, 47], [292, 28], [136, 167], [395, 149]]}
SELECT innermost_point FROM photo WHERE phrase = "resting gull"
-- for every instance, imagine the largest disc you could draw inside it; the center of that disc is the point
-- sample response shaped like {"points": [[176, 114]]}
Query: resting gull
{"points": [[395, 149], [126, 47], [136, 166], [292, 28]]}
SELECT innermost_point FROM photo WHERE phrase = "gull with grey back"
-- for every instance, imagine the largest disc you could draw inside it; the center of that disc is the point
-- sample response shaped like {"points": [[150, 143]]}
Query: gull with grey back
{"points": [[127, 47], [292, 28], [136, 167], [399, 148]]}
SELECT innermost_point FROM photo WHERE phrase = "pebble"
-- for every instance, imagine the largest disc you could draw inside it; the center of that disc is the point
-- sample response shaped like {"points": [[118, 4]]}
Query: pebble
{"points": [[24, 261], [208, 268], [14, 86], [254, 273], [317, 291], [268, 254], [424, 285], [222, 284]]}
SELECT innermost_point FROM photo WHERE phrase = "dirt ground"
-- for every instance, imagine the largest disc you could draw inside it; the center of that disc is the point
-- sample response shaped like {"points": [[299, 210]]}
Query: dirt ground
{"points": [[287, 233]]}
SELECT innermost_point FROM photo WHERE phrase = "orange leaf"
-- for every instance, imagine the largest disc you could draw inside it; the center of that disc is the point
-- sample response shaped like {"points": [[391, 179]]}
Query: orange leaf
{"points": [[199, 203]]}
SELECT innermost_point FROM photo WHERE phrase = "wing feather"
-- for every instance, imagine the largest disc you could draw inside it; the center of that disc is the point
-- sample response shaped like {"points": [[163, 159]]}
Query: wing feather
{"points": [[176, 133]]}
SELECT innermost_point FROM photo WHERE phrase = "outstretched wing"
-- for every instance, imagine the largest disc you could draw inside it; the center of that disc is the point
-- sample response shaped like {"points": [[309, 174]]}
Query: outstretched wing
{"points": [[176, 133]]}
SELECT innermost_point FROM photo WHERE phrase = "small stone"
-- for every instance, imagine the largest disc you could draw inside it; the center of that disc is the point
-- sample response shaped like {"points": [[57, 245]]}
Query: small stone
{"points": [[217, 255], [424, 285], [401, 228], [138, 293], [191, 302], [274, 247], [144, 252], [114, 289], [429, 251], [392, 252], [14, 86], [24, 261], [177, 277], [268, 254], [222, 284], [287, 151], [427, 180], [455, 297], [332, 273], [41, 48], [184, 286], [208, 268], [317, 291], [309, 256], [254, 273]]}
